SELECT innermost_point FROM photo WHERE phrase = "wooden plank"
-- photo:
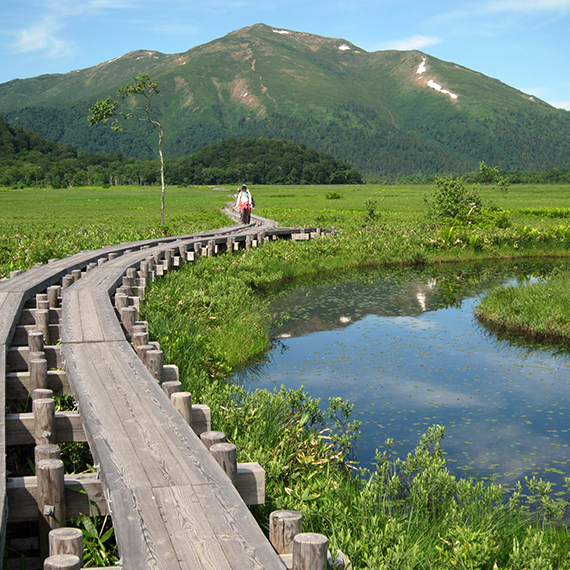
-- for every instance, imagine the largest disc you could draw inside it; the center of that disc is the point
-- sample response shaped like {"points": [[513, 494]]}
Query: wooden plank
{"points": [[20, 428], [27, 316], [20, 337], [141, 534], [239, 535], [18, 384], [83, 494], [17, 358], [102, 417], [10, 305], [194, 540], [3, 500]]}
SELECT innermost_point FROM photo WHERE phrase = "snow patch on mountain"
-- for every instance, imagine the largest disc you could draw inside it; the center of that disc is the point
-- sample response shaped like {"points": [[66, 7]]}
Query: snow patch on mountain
{"points": [[343, 47], [431, 83], [281, 32]]}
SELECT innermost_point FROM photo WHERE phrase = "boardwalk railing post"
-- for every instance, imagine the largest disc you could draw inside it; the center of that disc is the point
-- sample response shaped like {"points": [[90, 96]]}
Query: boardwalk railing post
{"points": [[42, 323], [51, 499], [36, 341], [283, 527], [171, 387], [66, 540], [54, 293], [46, 451], [62, 562], [182, 401], [226, 456], [210, 438], [154, 361], [38, 373], [310, 551], [44, 420]]}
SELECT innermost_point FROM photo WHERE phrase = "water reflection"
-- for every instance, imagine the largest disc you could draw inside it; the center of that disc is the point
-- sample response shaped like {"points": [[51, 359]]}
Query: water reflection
{"points": [[405, 348]]}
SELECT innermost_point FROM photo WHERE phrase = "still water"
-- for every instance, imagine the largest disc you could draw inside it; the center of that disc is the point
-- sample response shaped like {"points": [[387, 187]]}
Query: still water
{"points": [[406, 349]]}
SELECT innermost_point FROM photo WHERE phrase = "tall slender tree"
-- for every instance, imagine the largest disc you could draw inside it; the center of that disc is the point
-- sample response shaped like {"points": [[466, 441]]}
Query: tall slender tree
{"points": [[142, 88]]}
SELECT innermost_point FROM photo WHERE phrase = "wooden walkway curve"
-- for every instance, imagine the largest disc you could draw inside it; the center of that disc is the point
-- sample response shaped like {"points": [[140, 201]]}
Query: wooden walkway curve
{"points": [[172, 505]]}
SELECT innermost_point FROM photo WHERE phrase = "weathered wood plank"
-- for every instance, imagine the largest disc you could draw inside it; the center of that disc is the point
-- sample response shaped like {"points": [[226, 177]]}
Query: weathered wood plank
{"points": [[83, 494], [142, 536], [10, 306], [17, 358], [20, 428], [20, 337], [18, 384], [3, 500], [194, 540]]}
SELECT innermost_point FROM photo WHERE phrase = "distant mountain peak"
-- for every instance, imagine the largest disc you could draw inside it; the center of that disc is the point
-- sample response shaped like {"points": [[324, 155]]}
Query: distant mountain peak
{"points": [[385, 112]]}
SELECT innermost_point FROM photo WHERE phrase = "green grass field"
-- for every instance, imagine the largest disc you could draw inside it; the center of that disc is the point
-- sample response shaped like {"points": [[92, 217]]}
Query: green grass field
{"points": [[36, 225], [407, 513]]}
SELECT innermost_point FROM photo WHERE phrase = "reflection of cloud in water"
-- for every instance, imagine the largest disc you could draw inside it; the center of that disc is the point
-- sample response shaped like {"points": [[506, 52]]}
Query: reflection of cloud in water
{"points": [[407, 367]]}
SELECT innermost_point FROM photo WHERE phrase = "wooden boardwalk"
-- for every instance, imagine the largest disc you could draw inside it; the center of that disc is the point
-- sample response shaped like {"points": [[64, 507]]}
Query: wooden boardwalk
{"points": [[172, 505]]}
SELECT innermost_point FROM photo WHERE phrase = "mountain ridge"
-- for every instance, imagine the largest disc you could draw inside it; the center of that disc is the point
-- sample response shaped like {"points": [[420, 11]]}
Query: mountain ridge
{"points": [[385, 112]]}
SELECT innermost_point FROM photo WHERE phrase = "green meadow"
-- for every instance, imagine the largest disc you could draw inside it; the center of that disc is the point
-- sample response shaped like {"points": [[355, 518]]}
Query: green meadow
{"points": [[408, 512]]}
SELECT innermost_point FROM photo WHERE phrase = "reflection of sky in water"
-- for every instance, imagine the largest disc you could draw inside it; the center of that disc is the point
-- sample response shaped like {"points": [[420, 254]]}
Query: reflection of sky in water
{"points": [[504, 408]]}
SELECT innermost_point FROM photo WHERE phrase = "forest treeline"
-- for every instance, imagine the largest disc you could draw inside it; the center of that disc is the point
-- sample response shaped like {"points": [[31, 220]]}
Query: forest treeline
{"points": [[27, 160]]}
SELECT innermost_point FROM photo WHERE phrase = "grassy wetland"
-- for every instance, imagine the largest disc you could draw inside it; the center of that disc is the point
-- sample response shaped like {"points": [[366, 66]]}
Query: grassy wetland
{"points": [[406, 513]]}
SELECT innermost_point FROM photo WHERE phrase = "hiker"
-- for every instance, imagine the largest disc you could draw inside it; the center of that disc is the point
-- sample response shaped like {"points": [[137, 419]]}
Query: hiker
{"points": [[244, 204]]}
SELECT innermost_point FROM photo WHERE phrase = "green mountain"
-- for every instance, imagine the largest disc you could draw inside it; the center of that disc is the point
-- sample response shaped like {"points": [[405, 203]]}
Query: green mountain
{"points": [[386, 113]]}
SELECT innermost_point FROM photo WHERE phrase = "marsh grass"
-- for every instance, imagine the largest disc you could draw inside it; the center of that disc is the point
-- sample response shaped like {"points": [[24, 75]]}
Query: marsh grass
{"points": [[538, 311], [211, 317]]}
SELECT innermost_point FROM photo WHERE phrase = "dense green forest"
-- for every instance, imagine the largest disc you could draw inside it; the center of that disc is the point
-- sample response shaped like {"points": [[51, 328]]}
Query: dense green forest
{"points": [[27, 160]]}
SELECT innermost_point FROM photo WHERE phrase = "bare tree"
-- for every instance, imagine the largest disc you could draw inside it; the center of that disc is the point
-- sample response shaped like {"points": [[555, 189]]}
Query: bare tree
{"points": [[105, 109]]}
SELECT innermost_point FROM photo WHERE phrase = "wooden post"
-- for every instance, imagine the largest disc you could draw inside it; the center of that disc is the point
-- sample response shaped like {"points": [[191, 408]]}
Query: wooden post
{"points": [[182, 401], [226, 456], [198, 249], [38, 373], [46, 451], [42, 323], [171, 387], [51, 499], [139, 338], [44, 420], [283, 527], [211, 248], [42, 393], [66, 540], [54, 293], [67, 281], [62, 562], [76, 274], [36, 341], [168, 259], [210, 438], [154, 361], [310, 551], [113, 255], [248, 240], [129, 316], [121, 301]]}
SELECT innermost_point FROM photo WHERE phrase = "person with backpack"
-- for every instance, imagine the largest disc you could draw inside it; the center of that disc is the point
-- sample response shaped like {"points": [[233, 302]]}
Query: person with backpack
{"points": [[244, 204]]}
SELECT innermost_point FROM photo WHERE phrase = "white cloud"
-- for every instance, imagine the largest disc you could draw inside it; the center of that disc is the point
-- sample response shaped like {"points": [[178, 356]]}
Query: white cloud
{"points": [[528, 5], [42, 36], [413, 42], [561, 104], [46, 32]]}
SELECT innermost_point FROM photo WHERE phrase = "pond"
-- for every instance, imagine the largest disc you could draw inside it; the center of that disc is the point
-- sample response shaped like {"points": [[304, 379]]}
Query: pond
{"points": [[406, 349]]}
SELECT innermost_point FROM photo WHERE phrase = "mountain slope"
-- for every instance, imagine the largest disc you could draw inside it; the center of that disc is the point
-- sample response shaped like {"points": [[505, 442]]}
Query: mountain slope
{"points": [[386, 113]]}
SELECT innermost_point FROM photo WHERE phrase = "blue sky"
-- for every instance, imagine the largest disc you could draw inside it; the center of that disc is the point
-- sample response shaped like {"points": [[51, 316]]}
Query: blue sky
{"points": [[524, 43]]}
